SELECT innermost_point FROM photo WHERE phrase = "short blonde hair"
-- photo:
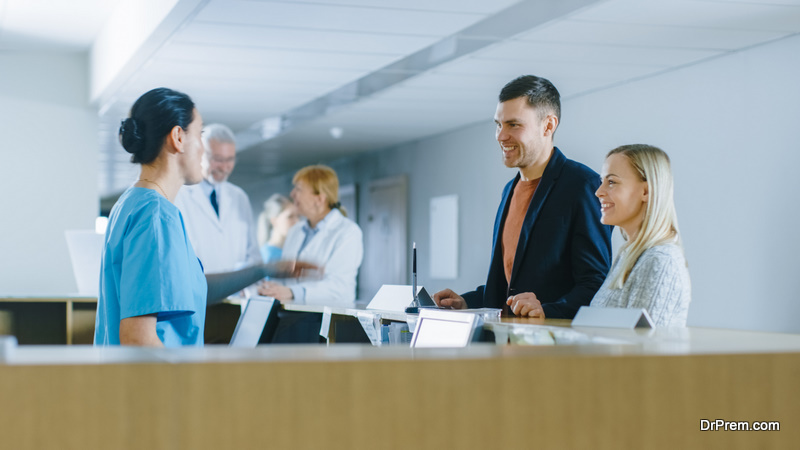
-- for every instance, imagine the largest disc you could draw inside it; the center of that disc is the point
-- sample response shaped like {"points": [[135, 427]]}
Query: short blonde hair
{"points": [[660, 224], [322, 180]]}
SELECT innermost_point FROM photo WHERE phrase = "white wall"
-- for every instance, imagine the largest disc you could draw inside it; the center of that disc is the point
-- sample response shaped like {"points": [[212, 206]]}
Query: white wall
{"points": [[731, 128], [49, 156]]}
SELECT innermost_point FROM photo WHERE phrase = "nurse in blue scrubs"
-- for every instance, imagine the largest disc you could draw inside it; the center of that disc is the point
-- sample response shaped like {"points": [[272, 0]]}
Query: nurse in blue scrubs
{"points": [[152, 288]]}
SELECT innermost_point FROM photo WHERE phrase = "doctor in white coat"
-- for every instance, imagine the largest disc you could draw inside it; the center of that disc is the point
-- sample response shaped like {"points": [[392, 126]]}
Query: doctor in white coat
{"points": [[217, 214]]}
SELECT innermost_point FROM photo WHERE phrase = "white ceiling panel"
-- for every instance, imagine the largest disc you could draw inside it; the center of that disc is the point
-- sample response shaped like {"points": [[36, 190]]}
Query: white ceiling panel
{"points": [[411, 113], [240, 118], [569, 85], [230, 95], [398, 114], [508, 70], [583, 31], [337, 17], [237, 93], [464, 6], [233, 86], [237, 120], [588, 53], [380, 128], [446, 82], [210, 73], [293, 39], [435, 86], [245, 58], [404, 95], [711, 14], [220, 105]]}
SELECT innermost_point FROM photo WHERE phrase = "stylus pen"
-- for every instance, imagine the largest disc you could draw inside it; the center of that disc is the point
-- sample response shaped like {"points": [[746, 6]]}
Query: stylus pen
{"points": [[414, 271]]}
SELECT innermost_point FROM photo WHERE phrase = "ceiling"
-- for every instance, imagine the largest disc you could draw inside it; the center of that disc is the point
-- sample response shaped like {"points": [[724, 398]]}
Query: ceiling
{"points": [[282, 74], [41, 24]]}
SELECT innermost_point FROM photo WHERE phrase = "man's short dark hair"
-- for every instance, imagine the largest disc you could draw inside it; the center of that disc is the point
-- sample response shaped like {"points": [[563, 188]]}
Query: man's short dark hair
{"points": [[540, 92]]}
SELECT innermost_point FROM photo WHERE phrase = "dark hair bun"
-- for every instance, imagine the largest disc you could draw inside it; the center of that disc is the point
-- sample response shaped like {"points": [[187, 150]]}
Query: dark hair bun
{"points": [[152, 118], [131, 135]]}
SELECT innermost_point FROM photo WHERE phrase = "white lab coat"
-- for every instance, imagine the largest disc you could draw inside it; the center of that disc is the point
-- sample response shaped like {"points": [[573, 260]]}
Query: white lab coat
{"points": [[338, 246], [223, 243]]}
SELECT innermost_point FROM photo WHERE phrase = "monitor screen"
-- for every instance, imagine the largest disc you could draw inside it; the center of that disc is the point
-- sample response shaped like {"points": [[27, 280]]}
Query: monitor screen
{"points": [[251, 322]]}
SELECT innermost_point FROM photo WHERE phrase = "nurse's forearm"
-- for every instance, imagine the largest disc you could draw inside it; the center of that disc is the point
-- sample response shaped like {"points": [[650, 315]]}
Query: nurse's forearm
{"points": [[221, 285]]}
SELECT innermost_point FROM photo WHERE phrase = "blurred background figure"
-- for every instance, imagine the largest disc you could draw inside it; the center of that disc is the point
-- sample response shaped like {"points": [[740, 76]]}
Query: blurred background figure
{"points": [[274, 222], [218, 216], [219, 223]]}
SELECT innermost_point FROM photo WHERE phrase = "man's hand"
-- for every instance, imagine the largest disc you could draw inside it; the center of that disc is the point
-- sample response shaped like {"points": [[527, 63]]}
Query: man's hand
{"points": [[277, 291], [449, 298], [526, 305]]}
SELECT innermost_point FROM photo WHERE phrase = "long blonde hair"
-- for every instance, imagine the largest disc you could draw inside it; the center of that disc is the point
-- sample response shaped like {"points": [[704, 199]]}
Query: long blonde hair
{"points": [[660, 224], [322, 180], [274, 205]]}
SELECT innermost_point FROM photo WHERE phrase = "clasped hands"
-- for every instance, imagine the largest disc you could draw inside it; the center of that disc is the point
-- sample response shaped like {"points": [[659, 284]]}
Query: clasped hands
{"points": [[525, 305], [522, 305]]}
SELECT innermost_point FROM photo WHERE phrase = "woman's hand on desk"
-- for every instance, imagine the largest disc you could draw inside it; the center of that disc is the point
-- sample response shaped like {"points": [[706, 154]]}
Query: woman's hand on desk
{"points": [[525, 305], [449, 298], [275, 290]]}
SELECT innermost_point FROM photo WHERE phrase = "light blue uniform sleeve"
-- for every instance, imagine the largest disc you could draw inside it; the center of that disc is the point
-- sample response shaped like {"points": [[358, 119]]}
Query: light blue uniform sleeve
{"points": [[153, 271], [298, 293]]}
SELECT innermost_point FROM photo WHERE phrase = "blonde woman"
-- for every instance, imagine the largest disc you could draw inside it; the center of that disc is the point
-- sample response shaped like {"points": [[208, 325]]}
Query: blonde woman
{"points": [[325, 236], [274, 222], [650, 271]]}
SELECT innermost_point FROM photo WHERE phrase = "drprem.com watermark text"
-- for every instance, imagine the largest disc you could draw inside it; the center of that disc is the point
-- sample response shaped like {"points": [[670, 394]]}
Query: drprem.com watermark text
{"points": [[727, 425]]}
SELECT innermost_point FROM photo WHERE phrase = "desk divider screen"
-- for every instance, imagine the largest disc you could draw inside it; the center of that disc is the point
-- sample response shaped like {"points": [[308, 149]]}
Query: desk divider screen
{"points": [[439, 329]]}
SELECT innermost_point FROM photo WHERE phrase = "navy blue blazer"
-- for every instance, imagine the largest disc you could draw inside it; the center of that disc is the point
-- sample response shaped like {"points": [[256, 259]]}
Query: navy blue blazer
{"points": [[564, 252]]}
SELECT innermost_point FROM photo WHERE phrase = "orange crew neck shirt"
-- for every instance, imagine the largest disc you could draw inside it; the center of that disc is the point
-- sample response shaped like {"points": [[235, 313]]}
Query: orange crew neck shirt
{"points": [[520, 200]]}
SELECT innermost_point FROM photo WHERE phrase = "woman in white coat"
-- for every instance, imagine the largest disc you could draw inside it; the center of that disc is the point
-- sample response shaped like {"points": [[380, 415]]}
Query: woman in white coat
{"points": [[327, 237]]}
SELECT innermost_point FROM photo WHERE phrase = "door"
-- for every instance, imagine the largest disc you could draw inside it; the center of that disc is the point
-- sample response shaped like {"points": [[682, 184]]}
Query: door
{"points": [[385, 236]]}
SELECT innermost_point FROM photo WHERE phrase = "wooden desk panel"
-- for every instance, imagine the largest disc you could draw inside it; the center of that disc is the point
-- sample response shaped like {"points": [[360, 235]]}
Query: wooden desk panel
{"points": [[522, 398]]}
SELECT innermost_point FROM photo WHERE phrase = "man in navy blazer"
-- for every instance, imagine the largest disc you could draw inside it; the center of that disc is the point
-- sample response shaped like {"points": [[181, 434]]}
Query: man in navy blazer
{"points": [[550, 252]]}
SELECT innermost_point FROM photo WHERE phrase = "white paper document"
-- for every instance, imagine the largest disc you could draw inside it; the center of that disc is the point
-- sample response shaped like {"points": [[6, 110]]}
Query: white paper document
{"points": [[393, 297], [371, 323]]}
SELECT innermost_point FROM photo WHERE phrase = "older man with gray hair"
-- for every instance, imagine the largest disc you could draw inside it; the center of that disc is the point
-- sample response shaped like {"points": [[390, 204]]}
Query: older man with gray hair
{"points": [[217, 214]]}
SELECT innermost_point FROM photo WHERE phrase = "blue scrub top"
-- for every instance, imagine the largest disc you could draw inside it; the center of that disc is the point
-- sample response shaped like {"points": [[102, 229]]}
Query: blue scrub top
{"points": [[149, 267]]}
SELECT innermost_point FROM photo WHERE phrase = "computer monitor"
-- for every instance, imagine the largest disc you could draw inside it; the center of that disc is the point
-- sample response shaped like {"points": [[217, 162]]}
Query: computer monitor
{"points": [[85, 252], [257, 323]]}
